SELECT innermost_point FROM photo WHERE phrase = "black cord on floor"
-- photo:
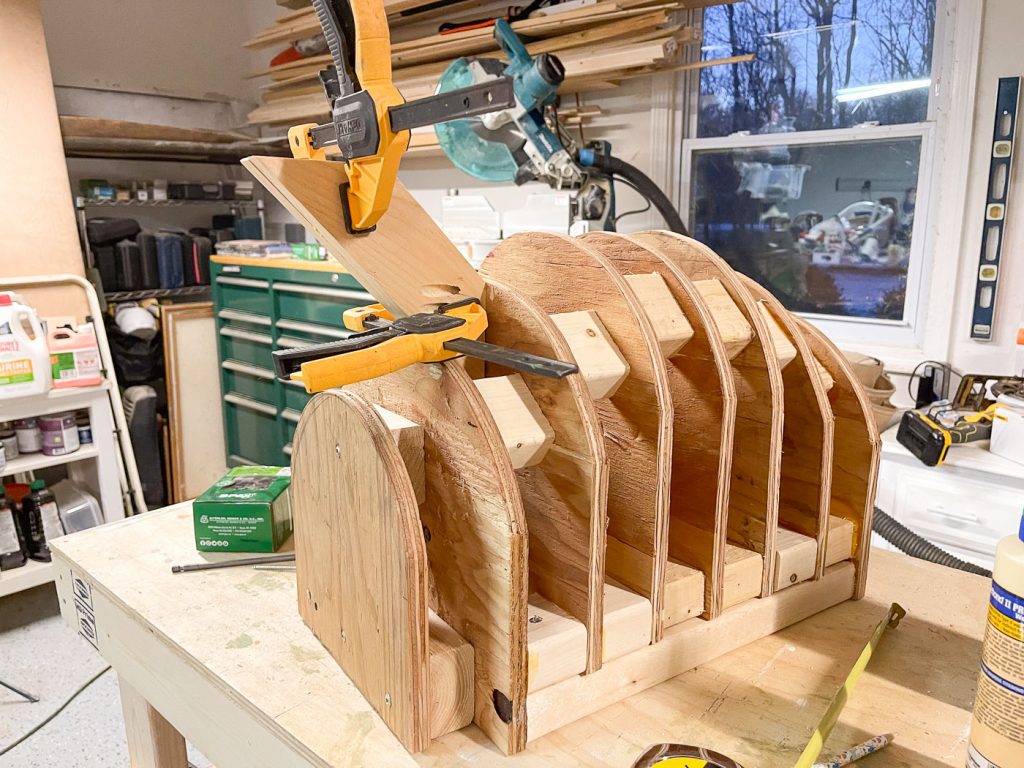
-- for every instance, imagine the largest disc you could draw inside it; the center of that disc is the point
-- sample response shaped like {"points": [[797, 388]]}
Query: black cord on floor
{"points": [[60, 709]]}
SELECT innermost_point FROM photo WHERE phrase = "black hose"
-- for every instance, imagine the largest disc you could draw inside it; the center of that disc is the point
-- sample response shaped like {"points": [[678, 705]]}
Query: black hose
{"points": [[613, 166], [914, 545]]}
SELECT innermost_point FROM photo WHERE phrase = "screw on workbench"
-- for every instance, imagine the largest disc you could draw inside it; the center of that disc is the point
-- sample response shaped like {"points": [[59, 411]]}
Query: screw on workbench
{"points": [[387, 699], [344, 637], [535, 619]]}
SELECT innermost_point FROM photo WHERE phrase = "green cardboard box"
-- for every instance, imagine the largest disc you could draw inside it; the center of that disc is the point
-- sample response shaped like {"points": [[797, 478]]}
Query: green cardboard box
{"points": [[247, 510]]}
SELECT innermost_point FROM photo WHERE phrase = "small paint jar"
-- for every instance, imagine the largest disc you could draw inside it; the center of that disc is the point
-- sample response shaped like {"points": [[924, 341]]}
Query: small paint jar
{"points": [[30, 439], [59, 434], [84, 428], [9, 441], [3, 457]]}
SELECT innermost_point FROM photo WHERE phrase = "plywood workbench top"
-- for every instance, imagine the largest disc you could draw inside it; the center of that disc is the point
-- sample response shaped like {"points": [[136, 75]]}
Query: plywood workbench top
{"points": [[225, 652]]}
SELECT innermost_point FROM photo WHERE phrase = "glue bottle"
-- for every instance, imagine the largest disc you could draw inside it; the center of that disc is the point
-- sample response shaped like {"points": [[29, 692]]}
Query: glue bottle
{"points": [[997, 728]]}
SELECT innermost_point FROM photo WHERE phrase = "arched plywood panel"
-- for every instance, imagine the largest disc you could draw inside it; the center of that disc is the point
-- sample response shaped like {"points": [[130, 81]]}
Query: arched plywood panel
{"points": [[807, 436], [704, 400], [475, 531], [857, 447], [562, 275], [566, 495], [360, 560], [757, 440]]}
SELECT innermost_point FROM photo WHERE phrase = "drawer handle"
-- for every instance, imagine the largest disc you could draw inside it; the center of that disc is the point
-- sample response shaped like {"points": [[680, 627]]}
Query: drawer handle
{"points": [[287, 449], [291, 414], [335, 293], [243, 317], [241, 461], [965, 517], [248, 370], [321, 330], [252, 405], [243, 282], [238, 333], [290, 342]]}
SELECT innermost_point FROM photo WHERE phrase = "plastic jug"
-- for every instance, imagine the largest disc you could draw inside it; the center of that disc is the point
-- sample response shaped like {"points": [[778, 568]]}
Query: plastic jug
{"points": [[24, 358], [74, 357]]}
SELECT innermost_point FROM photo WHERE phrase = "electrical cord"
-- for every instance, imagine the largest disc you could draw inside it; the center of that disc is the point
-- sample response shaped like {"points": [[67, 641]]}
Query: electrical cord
{"points": [[615, 219], [613, 166], [49, 718]]}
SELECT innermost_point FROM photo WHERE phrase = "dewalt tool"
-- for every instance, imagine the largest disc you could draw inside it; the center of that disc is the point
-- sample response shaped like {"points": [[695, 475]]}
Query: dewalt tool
{"points": [[385, 344], [686, 756], [930, 432], [370, 121]]}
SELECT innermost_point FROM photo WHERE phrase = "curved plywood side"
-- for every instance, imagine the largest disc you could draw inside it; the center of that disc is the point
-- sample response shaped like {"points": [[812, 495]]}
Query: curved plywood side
{"points": [[355, 509], [566, 495], [407, 262], [704, 396], [857, 447], [475, 531], [564, 275], [807, 435], [757, 440]]}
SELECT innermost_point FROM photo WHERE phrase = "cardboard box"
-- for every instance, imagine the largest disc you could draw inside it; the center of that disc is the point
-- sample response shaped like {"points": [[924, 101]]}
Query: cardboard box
{"points": [[247, 510]]}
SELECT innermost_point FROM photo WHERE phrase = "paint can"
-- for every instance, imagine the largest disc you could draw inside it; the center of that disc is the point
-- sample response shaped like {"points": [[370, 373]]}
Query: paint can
{"points": [[30, 439], [59, 434]]}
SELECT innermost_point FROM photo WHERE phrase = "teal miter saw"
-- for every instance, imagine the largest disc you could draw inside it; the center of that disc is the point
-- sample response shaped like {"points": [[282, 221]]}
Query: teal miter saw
{"points": [[525, 142]]}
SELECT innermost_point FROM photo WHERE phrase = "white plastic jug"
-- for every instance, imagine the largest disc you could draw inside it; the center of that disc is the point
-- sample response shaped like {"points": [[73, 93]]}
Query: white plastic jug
{"points": [[24, 356]]}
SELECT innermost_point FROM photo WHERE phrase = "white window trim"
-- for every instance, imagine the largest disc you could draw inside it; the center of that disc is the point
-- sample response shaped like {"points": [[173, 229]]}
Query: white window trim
{"points": [[939, 219]]}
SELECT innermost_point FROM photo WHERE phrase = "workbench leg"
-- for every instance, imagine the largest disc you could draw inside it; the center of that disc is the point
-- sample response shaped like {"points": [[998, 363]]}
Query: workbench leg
{"points": [[152, 741]]}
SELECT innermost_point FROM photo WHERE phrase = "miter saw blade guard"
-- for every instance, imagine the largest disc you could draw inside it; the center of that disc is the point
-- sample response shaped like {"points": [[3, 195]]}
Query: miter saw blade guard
{"points": [[465, 141]]}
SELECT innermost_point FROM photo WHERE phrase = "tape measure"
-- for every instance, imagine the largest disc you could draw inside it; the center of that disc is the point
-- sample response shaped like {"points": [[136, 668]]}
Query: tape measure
{"points": [[686, 756]]}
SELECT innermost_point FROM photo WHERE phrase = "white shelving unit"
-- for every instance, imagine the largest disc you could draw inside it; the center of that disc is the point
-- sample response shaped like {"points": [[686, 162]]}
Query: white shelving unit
{"points": [[93, 465]]}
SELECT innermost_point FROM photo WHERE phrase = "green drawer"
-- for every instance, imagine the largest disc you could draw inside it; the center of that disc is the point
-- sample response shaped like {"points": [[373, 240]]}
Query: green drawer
{"points": [[290, 420], [319, 304], [252, 381], [247, 294], [253, 432], [246, 346], [295, 396]]}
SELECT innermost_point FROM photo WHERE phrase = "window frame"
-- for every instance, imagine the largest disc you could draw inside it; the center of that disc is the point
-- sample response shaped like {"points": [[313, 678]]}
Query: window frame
{"points": [[939, 215]]}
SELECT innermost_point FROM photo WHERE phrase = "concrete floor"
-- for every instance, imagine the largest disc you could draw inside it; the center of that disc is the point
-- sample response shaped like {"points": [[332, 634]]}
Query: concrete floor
{"points": [[39, 654]]}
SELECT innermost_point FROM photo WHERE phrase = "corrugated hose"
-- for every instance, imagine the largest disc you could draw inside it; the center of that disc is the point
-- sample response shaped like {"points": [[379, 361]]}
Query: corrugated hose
{"points": [[915, 545]]}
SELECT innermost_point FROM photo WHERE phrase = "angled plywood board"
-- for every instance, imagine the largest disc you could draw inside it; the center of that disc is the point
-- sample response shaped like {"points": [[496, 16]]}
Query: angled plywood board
{"points": [[406, 243]]}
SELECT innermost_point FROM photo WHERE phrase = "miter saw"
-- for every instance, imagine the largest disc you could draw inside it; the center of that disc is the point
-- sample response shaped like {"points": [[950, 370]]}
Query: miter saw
{"points": [[526, 142]]}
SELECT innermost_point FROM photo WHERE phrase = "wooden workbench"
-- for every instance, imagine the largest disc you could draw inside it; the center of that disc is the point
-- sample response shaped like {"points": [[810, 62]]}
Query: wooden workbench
{"points": [[225, 658]]}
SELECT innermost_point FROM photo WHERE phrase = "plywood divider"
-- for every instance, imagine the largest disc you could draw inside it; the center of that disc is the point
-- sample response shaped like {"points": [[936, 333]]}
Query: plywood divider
{"points": [[564, 275], [808, 434], [704, 398], [566, 495], [757, 440], [361, 563], [475, 531], [857, 448]]}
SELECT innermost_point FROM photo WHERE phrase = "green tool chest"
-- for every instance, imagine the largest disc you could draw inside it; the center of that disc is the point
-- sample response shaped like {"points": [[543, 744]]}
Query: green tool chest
{"points": [[260, 307]]}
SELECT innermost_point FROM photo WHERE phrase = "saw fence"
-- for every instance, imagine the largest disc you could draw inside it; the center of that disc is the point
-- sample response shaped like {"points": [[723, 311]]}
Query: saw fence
{"points": [[474, 545]]}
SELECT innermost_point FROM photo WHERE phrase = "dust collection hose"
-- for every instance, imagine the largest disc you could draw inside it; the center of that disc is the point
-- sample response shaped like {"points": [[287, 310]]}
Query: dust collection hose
{"points": [[613, 166], [914, 545]]}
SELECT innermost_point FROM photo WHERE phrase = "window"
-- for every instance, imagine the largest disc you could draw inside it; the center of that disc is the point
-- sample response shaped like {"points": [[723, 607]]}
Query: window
{"points": [[810, 155]]}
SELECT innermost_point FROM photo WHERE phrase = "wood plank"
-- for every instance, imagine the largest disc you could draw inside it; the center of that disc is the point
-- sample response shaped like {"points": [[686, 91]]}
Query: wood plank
{"points": [[408, 436], [627, 625], [152, 741], [757, 439], [557, 644], [671, 328], [96, 127], [475, 531], [601, 364], [565, 497], [784, 348], [840, 541], [684, 593], [361, 563], [704, 397], [451, 679], [563, 275], [684, 647], [857, 448], [406, 242], [796, 558], [826, 378], [523, 427], [735, 331]]}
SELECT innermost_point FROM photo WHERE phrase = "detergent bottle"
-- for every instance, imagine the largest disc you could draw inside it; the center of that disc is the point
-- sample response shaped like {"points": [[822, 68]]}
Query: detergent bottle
{"points": [[24, 358], [74, 357]]}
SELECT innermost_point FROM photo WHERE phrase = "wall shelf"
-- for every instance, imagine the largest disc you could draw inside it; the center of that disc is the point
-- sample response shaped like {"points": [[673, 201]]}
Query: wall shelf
{"points": [[31, 574], [30, 462]]}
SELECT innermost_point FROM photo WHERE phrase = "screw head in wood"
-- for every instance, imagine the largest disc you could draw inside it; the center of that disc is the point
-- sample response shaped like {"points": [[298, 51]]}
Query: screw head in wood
{"points": [[337, 450], [387, 699], [792, 578], [536, 619]]}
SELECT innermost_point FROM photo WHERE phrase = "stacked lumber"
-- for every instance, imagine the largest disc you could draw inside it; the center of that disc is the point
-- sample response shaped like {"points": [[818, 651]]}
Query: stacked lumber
{"points": [[601, 44]]}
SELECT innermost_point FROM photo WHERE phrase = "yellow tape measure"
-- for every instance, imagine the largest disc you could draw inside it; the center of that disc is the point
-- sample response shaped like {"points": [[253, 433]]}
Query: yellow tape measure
{"points": [[686, 756]]}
